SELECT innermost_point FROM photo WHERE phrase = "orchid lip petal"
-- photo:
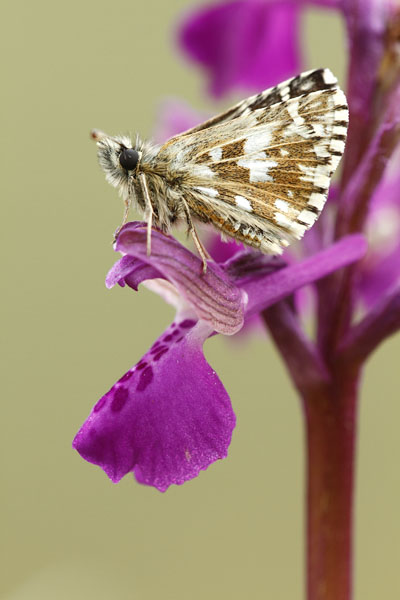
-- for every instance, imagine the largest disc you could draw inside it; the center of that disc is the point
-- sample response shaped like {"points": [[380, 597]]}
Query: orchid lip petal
{"points": [[166, 419], [213, 295]]}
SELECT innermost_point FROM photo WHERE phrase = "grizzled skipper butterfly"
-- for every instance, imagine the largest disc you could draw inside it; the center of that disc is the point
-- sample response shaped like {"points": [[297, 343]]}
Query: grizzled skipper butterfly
{"points": [[259, 172]]}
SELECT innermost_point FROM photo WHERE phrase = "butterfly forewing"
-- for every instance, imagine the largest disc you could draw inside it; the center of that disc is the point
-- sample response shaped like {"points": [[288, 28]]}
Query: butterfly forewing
{"points": [[263, 177]]}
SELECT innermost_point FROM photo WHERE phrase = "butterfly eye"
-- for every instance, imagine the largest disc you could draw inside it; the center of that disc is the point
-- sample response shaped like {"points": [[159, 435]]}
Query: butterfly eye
{"points": [[128, 159]]}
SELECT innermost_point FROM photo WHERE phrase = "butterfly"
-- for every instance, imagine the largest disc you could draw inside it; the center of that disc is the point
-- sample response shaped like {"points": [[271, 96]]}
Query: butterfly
{"points": [[258, 172]]}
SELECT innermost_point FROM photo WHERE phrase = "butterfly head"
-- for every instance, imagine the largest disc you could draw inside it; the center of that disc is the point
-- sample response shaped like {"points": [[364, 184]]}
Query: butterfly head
{"points": [[118, 158]]}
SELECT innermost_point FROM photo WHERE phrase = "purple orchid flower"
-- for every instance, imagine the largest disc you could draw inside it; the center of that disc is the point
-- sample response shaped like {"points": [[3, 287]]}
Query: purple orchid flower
{"points": [[170, 416]]}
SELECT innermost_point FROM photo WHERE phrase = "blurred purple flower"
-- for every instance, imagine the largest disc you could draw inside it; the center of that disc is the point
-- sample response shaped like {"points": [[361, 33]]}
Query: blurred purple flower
{"points": [[175, 117], [170, 416], [247, 44]]}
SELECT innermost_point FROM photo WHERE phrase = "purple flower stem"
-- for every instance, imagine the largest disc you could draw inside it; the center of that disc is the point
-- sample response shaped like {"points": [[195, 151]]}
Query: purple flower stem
{"points": [[331, 409], [329, 401], [381, 322], [330, 418], [305, 365]]}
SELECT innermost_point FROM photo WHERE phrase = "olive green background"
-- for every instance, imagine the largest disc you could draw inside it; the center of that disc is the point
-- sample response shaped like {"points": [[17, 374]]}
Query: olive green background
{"points": [[66, 531]]}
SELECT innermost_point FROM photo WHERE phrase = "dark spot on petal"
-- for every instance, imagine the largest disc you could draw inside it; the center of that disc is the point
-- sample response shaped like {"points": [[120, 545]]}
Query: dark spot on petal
{"points": [[145, 379], [141, 365], [160, 354], [157, 349], [156, 345], [120, 397], [125, 377], [168, 338], [187, 323], [100, 404]]}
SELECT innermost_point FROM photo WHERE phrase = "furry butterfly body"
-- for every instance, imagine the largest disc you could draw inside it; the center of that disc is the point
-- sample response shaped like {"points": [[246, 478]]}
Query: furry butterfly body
{"points": [[259, 172]]}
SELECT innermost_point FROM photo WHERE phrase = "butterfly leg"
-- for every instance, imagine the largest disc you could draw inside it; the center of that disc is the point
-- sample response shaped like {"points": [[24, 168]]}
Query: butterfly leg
{"points": [[128, 203], [149, 212], [197, 242]]}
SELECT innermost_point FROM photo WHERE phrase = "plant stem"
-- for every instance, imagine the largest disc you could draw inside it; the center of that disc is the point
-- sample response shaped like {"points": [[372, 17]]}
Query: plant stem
{"points": [[329, 396], [331, 419]]}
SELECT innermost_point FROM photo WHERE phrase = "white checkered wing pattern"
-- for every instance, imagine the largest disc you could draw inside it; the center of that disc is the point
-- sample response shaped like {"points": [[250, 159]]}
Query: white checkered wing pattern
{"points": [[262, 175]]}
